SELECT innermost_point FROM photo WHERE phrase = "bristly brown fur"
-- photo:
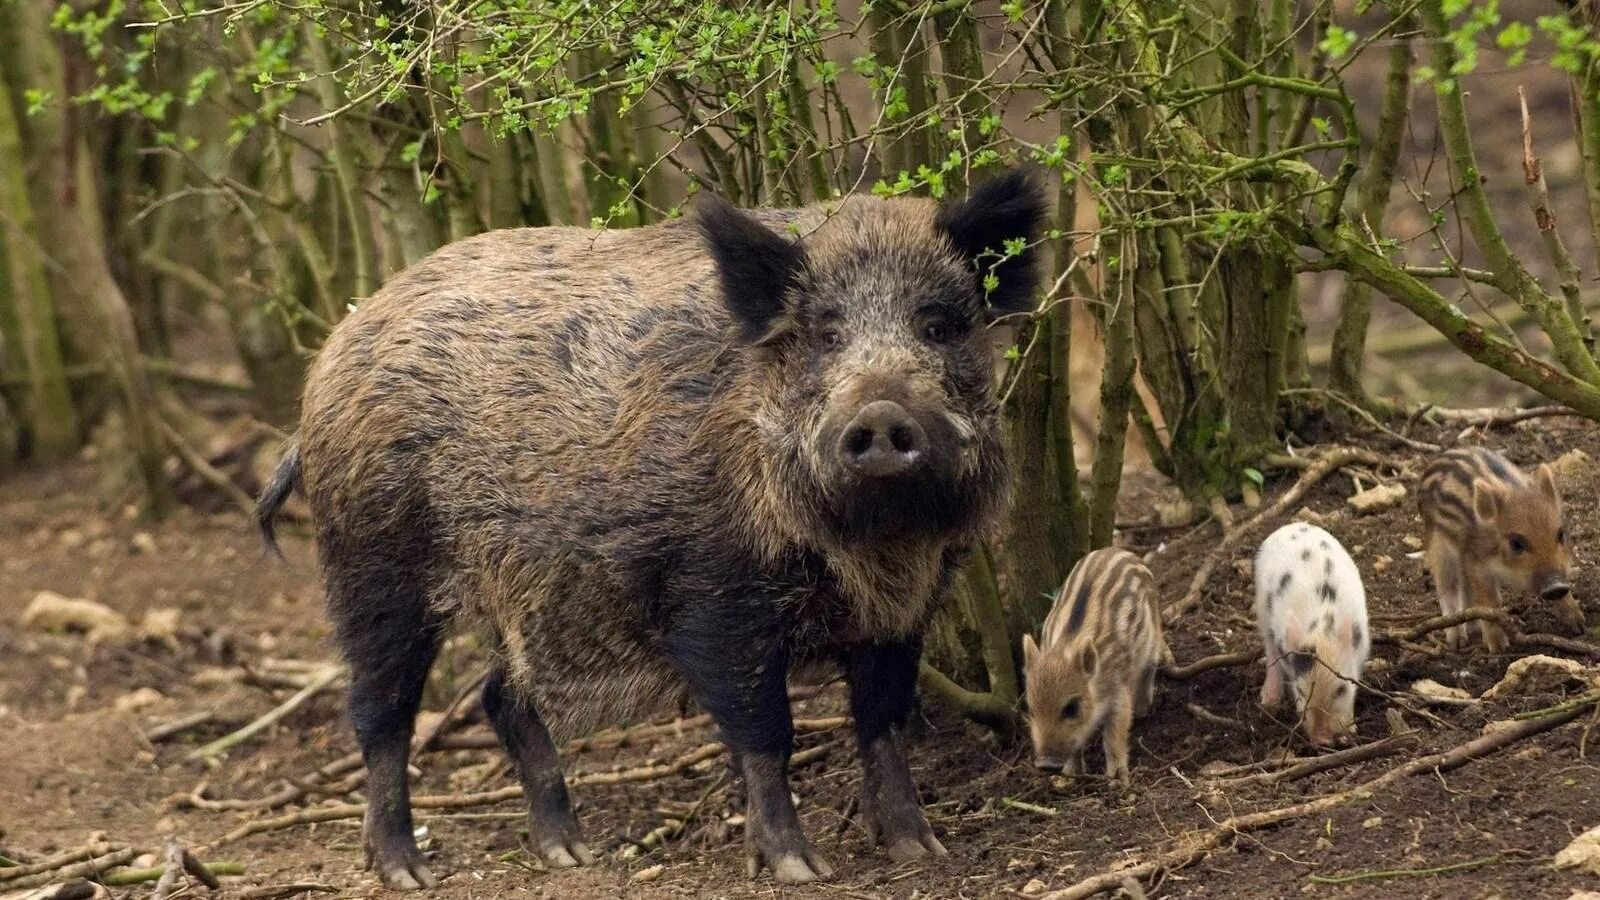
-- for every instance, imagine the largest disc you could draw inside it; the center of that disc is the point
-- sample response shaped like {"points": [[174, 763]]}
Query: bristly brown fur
{"points": [[622, 456], [1490, 527]]}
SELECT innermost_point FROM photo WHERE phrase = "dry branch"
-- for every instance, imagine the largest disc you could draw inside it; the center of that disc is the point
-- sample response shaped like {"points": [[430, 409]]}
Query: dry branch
{"points": [[1207, 663], [1388, 746], [425, 742], [12, 874], [1192, 846], [1329, 462], [221, 745], [165, 730], [91, 868]]}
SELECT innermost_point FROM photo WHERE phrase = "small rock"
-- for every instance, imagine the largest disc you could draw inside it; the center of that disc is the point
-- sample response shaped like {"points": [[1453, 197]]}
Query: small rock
{"points": [[1033, 887], [650, 874], [142, 542], [1427, 687], [1538, 672], [1412, 542], [1374, 822], [50, 611], [1572, 464], [1381, 564], [143, 698], [1245, 567], [1583, 853], [1377, 499], [161, 625], [72, 539], [1172, 513], [1324, 844]]}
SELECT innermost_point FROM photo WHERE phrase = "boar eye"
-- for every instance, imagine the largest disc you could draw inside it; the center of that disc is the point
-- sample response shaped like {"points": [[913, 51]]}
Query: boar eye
{"points": [[1561, 535], [940, 332], [1070, 710], [1519, 544], [831, 339]]}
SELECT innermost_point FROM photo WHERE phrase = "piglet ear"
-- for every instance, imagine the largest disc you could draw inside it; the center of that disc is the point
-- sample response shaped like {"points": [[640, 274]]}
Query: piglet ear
{"points": [[1030, 651], [1547, 485], [1008, 208], [755, 266], [1485, 503]]}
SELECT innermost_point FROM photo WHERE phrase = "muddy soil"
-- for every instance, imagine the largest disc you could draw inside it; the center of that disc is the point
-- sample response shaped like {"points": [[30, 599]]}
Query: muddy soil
{"points": [[73, 714]]}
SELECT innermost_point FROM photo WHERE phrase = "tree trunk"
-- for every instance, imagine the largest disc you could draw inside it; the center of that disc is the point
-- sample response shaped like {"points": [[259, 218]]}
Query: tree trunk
{"points": [[28, 320]]}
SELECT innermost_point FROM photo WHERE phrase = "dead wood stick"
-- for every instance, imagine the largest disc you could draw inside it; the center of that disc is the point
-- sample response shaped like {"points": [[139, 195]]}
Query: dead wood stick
{"points": [[140, 876], [1207, 663], [207, 472], [200, 871], [1206, 715], [1194, 845], [1505, 620], [314, 783], [223, 744], [280, 891], [426, 741], [1494, 417], [485, 798], [1331, 460], [1301, 768], [90, 868], [90, 851], [172, 870], [165, 730]]}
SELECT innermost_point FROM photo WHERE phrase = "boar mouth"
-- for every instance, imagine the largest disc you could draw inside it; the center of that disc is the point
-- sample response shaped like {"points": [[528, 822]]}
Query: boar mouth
{"points": [[920, 502]]}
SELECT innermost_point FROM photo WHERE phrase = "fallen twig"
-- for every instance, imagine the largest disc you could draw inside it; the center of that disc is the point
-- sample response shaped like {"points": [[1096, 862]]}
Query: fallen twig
{"points": [[425, 742], [12, 874], [1330, 461], [1025, 806], [1505, 620], [1206, 715], [172, 871], [90, 868], [165, 730], [1301, 768], [207, 472], [279, 891], [1207, 663], [223, 744], [1412, 873], [1494, 417], [1192, 846], [140, 876]]}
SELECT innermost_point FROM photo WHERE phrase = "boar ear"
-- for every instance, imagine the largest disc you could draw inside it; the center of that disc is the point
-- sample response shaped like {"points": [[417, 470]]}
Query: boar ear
{"points": [[1089, 661], [755, 265], [1002, 209], [1030, 651], [1547, 485], [1484, 502]]}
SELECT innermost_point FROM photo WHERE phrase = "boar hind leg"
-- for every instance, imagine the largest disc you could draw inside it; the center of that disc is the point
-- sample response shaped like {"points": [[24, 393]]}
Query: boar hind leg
{"points": [[883, 681], [552, 828], [1444, 563], [389, 641]]}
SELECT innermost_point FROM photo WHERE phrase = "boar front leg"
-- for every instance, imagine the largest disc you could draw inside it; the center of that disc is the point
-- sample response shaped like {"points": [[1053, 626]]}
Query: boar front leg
{"points": [[741, 679], [883, 682], [552, 828]]}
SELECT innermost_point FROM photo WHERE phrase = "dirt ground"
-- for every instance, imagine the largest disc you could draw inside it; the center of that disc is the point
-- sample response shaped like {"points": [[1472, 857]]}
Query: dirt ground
{"points": [[73, 759]]}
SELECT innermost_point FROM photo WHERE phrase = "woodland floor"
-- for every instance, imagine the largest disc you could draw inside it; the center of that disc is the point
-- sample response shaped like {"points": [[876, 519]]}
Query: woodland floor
{"points": [[72, 763]]}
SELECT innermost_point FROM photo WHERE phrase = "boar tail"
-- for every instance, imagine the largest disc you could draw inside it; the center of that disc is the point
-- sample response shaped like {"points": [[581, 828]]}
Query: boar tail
{"points": [[279, 487]]}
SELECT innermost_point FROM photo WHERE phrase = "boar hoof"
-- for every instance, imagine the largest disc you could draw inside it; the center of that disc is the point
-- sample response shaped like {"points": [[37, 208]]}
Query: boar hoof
{"points": [[908, 849], [566, 854], [790, 868], [404, 871]]}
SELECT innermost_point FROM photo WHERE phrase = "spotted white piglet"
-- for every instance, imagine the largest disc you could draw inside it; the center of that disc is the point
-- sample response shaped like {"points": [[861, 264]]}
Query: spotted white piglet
{"points": [[1312, 613]]}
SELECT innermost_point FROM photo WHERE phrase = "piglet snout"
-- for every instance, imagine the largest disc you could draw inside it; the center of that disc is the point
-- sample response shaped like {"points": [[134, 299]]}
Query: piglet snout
{"points": [[1049, 764], [1554, 589]]}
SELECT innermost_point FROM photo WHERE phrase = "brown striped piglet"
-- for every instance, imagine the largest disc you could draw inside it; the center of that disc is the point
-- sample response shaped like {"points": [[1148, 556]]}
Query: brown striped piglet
{"points": [[1311, 610], [1094, 668], [1490, 526]]}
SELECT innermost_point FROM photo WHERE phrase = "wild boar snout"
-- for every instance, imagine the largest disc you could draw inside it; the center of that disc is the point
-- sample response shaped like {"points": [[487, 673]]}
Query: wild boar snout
{"points": [[882, 440], [1554, 587]]}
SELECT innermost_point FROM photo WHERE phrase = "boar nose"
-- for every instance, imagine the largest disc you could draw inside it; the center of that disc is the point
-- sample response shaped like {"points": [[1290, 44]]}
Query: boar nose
{"points": [[1554, 589], [1048, 764], [882, 440]]}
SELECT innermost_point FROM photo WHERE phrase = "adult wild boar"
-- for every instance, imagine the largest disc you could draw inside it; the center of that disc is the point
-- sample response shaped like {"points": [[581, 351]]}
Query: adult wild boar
{"points": [[676, 459]]}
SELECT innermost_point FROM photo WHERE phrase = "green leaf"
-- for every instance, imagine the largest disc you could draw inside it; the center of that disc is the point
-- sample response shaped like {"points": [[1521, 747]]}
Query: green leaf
{"points": [[1254, 475]]}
